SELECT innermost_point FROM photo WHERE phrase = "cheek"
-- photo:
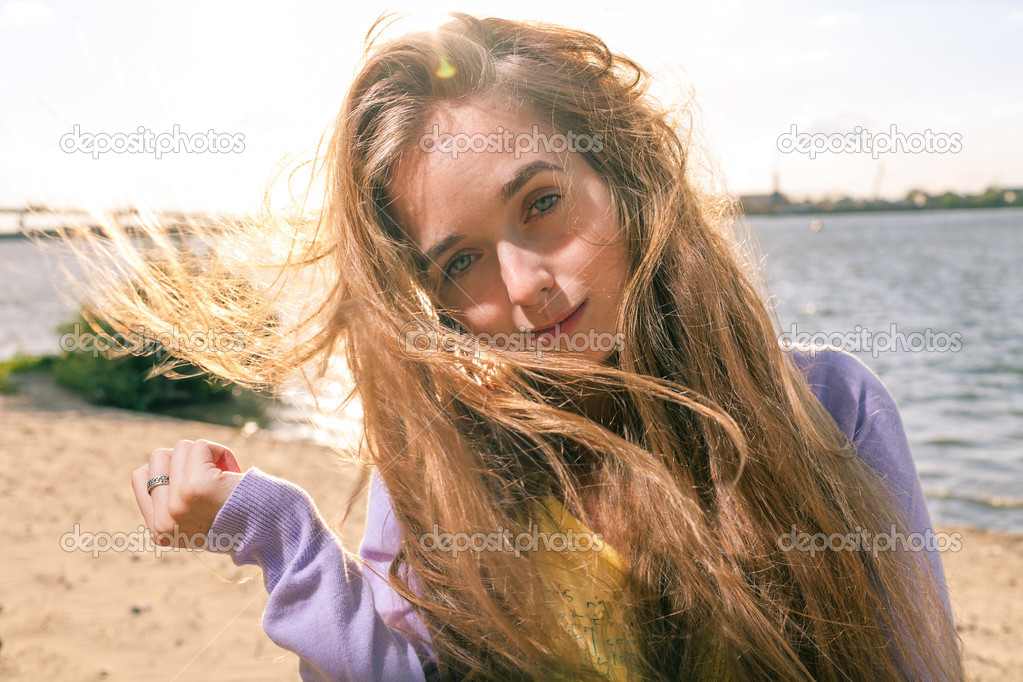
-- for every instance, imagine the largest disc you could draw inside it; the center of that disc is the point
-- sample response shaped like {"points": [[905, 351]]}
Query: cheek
{"points": [[484, 319], [601, 245], [607, 266]]}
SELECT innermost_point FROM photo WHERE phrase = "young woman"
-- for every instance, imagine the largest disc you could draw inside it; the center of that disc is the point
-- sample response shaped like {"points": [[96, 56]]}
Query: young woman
{"points": [[590, 457]]}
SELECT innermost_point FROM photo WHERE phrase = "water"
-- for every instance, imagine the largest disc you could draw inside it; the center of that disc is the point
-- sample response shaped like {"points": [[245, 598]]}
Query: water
{"points": [[954, 273], [34, 298]]}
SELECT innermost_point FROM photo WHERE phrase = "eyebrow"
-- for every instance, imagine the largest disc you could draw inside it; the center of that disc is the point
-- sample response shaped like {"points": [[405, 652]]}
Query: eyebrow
{"points": [[508, 190], [438, 249], [524, 175]]}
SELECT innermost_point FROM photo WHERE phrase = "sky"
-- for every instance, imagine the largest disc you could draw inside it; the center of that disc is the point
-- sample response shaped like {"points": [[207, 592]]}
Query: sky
{"points": [[268, 79]]}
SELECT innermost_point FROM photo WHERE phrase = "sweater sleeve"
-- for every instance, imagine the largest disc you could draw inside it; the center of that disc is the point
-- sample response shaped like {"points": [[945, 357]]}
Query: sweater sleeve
{"points": [[323, 604], [866, 412], [380, 544]]}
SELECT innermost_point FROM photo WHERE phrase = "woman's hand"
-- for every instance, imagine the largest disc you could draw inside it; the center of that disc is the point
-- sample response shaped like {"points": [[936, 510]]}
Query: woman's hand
{"points": [[202, 476]]}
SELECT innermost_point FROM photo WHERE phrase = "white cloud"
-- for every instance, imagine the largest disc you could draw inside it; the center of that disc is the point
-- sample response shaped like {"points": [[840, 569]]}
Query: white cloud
{"points": [[22, 13], [838, 19]]}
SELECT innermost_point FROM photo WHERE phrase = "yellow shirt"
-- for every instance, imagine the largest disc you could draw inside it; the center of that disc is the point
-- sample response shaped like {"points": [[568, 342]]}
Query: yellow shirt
{"points": [[570, 551]]}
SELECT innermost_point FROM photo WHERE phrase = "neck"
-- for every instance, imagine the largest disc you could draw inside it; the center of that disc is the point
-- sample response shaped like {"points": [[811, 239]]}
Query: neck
{"points": [[600, 407]]}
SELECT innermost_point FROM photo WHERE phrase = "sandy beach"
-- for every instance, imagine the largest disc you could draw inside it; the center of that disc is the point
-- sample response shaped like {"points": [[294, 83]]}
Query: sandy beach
{"points": [[67, 615]]}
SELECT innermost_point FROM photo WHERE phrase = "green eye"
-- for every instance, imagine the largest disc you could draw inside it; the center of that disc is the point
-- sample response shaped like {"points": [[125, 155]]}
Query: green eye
{"points": [[545, 202], [459, 264]]}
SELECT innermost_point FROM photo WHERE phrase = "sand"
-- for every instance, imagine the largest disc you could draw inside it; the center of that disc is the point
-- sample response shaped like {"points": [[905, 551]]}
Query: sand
{"points": [[69, 615]]}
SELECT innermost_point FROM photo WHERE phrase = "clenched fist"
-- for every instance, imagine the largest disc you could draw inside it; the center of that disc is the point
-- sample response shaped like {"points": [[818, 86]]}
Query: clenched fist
{"points": [[202, 476]]}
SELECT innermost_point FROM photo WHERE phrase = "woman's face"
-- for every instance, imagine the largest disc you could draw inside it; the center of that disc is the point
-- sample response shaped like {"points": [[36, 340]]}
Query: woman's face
{"points": [[515, 238]]}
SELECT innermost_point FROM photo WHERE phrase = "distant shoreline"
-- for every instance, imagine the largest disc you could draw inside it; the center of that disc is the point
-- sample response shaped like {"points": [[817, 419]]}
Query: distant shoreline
{"points": [[885, 209], [777, 203], [94, 229], [795, 211]]}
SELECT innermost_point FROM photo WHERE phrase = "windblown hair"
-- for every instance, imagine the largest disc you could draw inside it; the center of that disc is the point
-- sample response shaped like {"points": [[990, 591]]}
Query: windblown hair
{"points": [[717, 447]]}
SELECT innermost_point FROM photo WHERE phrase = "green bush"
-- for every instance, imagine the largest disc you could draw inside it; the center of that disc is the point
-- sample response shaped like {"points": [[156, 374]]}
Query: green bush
{"points": [[121, 381], [21, 362]]}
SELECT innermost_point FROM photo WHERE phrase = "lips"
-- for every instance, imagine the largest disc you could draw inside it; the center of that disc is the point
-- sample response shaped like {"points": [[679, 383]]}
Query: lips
{"points": [[565, 326]]}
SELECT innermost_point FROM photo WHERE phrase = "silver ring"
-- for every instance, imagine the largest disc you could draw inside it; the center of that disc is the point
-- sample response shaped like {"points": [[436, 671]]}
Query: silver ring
{"points": [[156, 481]]}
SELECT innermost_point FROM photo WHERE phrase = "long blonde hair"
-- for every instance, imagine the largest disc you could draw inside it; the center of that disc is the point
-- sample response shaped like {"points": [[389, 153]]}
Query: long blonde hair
{"points": [[715, 435]]}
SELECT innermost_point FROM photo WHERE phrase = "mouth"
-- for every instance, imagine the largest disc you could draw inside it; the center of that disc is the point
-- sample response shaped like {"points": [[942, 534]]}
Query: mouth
{"points": [[565, 326]]}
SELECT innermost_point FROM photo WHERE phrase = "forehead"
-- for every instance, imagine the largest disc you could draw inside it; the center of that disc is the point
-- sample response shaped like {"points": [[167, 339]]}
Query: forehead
{"points": [[440, 179]]}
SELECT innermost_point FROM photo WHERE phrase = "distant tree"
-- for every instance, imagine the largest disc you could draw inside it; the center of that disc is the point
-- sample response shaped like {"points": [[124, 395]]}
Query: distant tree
{"points": [[951, 200]]}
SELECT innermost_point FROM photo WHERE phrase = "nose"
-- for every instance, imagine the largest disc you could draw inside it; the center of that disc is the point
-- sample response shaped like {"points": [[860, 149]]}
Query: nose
{"points": [[525, 275]]}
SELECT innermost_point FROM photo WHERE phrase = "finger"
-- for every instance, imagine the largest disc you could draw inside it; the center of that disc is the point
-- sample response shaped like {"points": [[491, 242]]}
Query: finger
{"points": [[159, 465], [179, 460], [226, 460], [142, 498], [213, 453]]}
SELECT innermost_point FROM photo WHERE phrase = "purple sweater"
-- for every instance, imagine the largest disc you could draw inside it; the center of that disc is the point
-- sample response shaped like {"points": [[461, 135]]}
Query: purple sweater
{"points": [[345, 622]]}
